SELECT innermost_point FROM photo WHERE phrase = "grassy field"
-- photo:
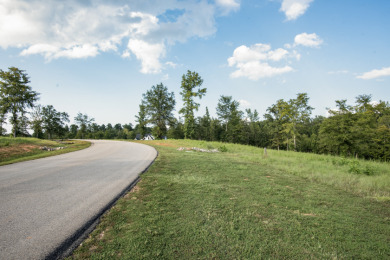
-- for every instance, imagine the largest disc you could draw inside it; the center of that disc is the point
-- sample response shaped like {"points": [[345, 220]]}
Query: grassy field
{"points": [[240, 204], [19, 149]]}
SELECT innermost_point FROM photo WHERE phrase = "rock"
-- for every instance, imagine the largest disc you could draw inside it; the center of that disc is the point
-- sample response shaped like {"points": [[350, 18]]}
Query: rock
{"points": [[45, 148], [198, 150]]}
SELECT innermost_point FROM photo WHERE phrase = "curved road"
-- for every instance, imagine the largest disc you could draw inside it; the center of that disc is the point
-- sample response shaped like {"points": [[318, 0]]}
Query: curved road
{"points": [[44, 202]]}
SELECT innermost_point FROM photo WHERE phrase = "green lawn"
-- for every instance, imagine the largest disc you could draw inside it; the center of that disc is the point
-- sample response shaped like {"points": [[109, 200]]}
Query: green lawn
{"points": [[242, 205], [20, 149]]}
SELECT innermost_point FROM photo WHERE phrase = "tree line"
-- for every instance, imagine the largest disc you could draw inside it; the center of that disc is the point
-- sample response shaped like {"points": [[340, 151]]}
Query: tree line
{"points": [[359, 130]]}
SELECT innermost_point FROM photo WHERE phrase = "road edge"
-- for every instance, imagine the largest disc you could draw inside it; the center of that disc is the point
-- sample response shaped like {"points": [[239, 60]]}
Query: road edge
{"points": [[66, 248]]}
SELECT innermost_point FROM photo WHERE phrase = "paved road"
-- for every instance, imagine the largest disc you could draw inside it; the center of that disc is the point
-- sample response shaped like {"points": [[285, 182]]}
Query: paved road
{"points": [[44, 202]]}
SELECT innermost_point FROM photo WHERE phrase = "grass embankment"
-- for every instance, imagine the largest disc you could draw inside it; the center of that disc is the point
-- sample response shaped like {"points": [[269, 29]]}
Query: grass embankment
{"points": [[20, 149], [242, 205]]}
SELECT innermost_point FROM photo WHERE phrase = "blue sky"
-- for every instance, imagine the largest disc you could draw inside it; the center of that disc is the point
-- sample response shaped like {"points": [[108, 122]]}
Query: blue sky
{"points": [[99, 57]]}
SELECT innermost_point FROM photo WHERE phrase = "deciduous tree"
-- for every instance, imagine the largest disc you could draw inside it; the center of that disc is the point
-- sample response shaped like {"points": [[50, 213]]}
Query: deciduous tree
{"points": [[53, 121], [189, 83], [16, 96], [159, 106], [84, 121]]}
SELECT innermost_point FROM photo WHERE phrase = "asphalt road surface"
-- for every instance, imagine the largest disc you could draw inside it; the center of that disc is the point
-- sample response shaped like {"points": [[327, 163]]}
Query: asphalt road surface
{"points": [[45, 202]]}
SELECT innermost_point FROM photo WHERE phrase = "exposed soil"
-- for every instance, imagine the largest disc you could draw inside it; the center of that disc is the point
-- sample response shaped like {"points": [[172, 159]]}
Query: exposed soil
{"points": [[9, 151], [165, 144]]}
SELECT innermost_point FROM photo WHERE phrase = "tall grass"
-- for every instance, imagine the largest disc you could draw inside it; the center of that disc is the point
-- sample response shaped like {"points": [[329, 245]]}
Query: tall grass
{"points": [[362, 177]]}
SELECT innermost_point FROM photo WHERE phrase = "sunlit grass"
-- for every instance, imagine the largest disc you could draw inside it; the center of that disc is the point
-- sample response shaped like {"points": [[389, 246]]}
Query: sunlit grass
{"points": [[340, 172], [242, 205]]}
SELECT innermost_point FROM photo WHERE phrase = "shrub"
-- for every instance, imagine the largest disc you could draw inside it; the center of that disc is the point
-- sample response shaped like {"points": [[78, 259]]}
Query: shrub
{"points": [[223, 149]]}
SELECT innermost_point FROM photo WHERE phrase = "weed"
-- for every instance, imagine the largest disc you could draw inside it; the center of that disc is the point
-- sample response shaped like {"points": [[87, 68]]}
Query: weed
{"points": [[223, 149], [355, 167]]}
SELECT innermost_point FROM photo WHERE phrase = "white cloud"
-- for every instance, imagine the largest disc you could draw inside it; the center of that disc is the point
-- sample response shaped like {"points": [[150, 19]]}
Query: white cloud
{"points": [[244, 54], [253, 62], [373, 74], [171, 64], [308, 40], [149, 54], [126, 54], [228, 5], [255, 70], [244, 103], [277, 54], [294, 8], [260, 61], [296, 55], [79, 29]]}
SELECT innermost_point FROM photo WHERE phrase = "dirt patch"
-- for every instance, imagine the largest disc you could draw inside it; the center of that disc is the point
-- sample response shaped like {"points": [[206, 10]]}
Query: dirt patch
{"points": [[9, 151], [135, 189], [165, 144]]}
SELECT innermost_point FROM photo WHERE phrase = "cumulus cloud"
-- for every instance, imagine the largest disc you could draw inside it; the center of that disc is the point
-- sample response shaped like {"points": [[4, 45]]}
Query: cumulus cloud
{"points": [[149, 54], [294, 8], [308, 40], [253, 62], [228, 5], [256, 70], [373, 74], [81, 29], [261, 61]]}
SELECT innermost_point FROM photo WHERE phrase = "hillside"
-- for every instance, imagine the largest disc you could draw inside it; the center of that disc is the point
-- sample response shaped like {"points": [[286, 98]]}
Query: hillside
{"points": [[243, 204]]}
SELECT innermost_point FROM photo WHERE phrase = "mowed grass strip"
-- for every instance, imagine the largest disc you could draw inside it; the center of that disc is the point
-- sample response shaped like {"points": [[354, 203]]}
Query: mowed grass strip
{"points": [[20, 149], [193, 205]]}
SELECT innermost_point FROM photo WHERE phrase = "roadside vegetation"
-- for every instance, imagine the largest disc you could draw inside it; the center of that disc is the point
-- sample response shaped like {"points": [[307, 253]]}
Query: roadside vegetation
{"points": [[20, 149], [244, 204], [360, 130]]}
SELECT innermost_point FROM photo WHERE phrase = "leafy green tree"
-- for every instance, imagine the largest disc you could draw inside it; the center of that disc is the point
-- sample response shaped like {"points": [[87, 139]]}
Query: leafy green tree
{"points": [[382, 138], [309, 134], [251, 127], [336, 131], [142, 120], [228, 112], [286, 118], [277, 117], [73, 131], [175, 130], [16, 96], [204, 125], [159, 106], [83, 121], [3, 118], [37, 121], [22, 125], [54, 121], [3, 112], [224, 107], [129, 126], [190, 82], [299, 112]]}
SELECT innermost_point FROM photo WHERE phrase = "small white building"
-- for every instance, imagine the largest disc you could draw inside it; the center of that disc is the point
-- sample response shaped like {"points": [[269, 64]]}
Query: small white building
{"points": [[148, 137]]}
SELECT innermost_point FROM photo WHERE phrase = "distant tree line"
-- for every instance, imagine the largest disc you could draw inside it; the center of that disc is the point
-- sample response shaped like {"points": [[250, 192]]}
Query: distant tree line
{"points": [[360, 130]]}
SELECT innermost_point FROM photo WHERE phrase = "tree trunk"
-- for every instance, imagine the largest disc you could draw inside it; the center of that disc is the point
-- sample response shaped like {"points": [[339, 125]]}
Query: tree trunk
{"points": [[288, 141], [295, 144]]}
